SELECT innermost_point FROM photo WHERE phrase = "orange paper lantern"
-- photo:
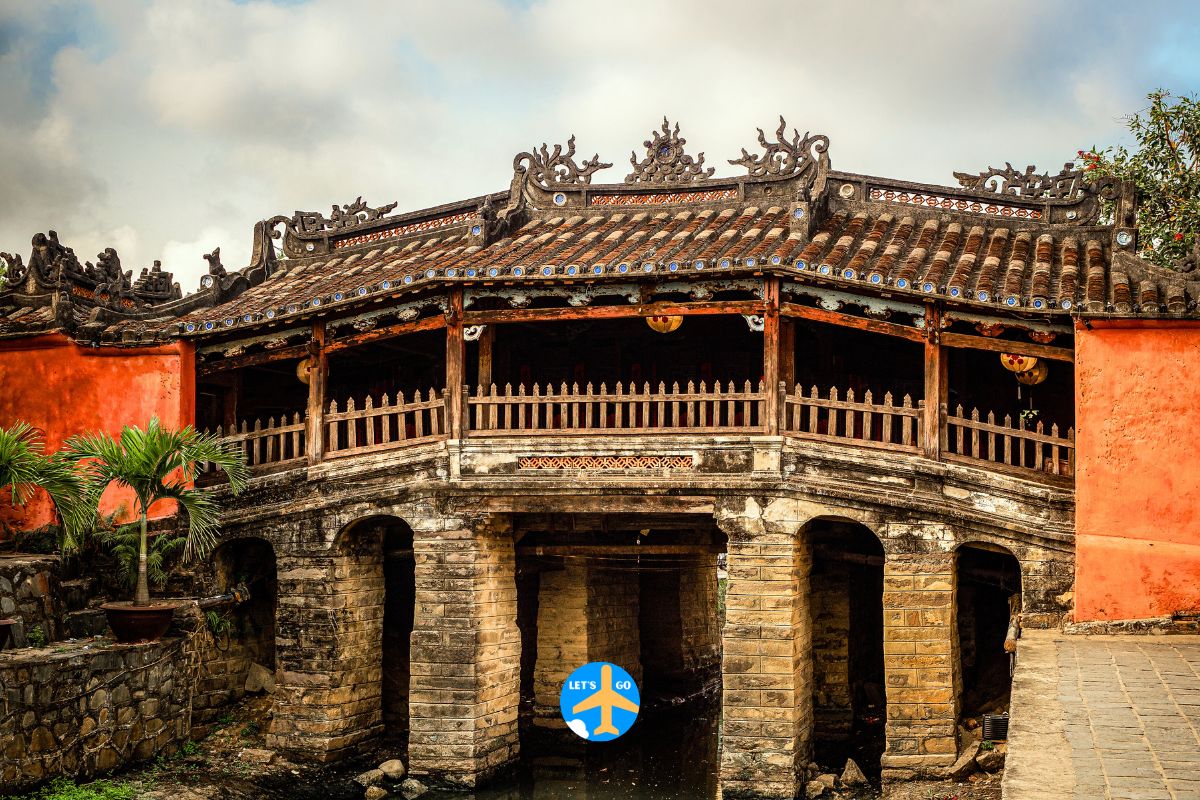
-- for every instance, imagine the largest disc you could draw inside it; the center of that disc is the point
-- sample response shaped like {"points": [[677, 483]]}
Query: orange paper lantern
{"points": [[664, 324], [1032, 377], [1015, 362]]}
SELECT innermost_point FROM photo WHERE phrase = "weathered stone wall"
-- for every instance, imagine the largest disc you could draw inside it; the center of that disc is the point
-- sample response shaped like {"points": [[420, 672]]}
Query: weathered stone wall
{"points": [[80, 710], [833, 712], [29, 593], [700, 648], [681, 640]]}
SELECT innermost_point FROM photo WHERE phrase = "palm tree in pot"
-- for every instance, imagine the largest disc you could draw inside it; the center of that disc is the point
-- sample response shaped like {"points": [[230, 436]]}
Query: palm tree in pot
{"points": [[158, 464]]}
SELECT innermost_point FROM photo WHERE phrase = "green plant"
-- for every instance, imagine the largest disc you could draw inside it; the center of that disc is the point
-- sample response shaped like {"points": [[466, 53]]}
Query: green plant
{"points": [[1165, 170], [124, 544], [986, 745], [250, 731], [36, 636], [218, 624], [160, 464], [189, 748], [25, 468], [65, 789]]}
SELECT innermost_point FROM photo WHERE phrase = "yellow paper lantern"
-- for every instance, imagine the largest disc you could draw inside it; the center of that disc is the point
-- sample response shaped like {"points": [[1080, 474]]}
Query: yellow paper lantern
{"points": [[1032, 377], [664, 324], [302, 369], [1015, 362]]}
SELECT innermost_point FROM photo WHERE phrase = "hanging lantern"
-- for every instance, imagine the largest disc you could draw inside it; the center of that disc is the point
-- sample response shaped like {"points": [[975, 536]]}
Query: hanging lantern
{"points": [[1032, 377], [1015, 362], [664, 324], [302, 368]]}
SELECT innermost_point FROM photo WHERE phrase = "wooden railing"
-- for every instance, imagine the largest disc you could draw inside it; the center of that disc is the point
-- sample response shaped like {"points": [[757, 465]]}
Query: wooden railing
{"points": [[355, 431], [270, 443], [575, 410], [1007, 445], [861, 422]]}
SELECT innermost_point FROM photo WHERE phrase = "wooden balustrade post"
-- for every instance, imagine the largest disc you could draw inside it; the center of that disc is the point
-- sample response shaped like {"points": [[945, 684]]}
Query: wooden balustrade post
{"points": [[318, 370], [933, 422], [771, 354], [455, 356], [487, 338]]}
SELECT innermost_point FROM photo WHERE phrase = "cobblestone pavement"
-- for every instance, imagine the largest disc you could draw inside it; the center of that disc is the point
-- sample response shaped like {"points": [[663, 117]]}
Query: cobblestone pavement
{"points": [[1099, 717]]}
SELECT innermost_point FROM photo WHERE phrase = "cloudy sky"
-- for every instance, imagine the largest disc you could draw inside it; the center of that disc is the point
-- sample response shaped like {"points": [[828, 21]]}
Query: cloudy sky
{"points": [[167, 127]]}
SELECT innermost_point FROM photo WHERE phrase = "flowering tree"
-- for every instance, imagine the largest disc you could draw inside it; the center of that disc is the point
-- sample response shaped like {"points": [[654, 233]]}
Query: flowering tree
{"points": [[1165, 169]]}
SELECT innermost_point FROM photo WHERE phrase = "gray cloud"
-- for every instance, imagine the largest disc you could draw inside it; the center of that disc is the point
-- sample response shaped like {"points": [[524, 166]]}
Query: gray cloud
{"points": [[170, 126]]}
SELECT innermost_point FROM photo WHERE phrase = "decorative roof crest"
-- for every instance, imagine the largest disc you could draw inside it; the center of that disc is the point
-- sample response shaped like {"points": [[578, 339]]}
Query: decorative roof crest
{"points": [[551, 170], [342, 218], [1069, 184], [782, 158], [666, 161]]}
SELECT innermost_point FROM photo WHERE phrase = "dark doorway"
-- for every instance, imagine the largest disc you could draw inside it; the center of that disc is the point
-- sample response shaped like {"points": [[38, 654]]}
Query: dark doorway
{"points": [[988, 594]]}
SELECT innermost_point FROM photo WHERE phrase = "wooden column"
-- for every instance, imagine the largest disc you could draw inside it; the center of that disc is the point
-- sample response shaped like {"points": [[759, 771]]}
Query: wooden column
{"points": [[932, 427], [318, 370], [455, 356], [771, 353], [787, 352], [486, 339]]}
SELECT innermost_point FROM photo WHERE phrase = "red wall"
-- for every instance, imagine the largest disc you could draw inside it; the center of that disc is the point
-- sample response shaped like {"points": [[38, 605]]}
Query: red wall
{"points": [[1138, 469], [64, 389]]}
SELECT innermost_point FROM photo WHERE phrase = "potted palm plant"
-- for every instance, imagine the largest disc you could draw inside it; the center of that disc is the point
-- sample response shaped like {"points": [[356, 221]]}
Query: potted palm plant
{"points": [[157, 464], [25, 468]]}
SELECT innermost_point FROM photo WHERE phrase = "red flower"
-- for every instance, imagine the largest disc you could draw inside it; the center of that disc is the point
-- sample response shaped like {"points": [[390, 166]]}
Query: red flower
{"points": [[1179, 237]]}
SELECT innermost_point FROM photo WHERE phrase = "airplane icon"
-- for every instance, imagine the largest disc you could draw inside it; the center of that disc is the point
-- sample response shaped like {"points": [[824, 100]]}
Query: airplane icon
{"points": [[606, 699]]}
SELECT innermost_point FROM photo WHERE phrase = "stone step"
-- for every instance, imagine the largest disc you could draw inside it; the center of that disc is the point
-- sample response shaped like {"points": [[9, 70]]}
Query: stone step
{"points": [[78, 593], [85, 624]]}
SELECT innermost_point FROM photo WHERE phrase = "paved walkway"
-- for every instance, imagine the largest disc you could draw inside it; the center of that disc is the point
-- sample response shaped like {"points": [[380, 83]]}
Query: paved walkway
{"points": [[1100, 717]]}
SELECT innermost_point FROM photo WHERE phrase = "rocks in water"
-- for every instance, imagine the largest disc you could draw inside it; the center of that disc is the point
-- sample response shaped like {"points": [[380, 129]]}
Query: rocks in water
{"points": [[852, 775], [260, 679], [371, 777], [813, 790], [412, 788], [990, 760], [393, 770], [376, 793]]}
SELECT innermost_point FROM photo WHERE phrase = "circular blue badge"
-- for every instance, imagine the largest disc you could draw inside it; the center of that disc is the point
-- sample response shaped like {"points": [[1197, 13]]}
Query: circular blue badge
{"points": [[599, 701]]}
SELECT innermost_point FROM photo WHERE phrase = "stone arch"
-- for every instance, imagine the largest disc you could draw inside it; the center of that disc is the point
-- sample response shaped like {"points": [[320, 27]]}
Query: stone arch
{"points": [[987, 596]]}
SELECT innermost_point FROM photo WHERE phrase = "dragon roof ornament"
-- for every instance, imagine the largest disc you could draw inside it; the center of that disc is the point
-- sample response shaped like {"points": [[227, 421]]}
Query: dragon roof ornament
{"points": [[550, 170], [1068, 184], [666, 161], [802, 155], [341, 218]]}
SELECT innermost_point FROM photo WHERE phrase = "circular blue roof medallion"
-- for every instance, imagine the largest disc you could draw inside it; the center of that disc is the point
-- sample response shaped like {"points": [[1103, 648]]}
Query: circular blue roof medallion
{"points": [[876, 279], [927, 286], [451, 273], [191, 326], [493, 272], [560, 199], [955, 291], [270, 313], [518, 271], [622, 268], [902, 283], [849, 274], [571, 270], [774, 259], [475, 229], [386, 284], [429, 273], [292, 308], [750, 262], [1011, 300], [245, 317], [673, 266], [1038, 303], [547, 270], [316, 301], [982, 296], [798, 213], [361, 291], [698, 265], [1066, 303], [824, 269], [800, 264], [408, 278], [647, 266], [228, 321], [208, 326], [724, 263], [338, 295], [597, 270], [471, 273]]}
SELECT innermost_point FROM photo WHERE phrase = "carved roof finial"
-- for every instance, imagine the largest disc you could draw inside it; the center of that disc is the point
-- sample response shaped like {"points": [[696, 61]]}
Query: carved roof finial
{"points": [[782, 158], [552, 169], [666, 161]]}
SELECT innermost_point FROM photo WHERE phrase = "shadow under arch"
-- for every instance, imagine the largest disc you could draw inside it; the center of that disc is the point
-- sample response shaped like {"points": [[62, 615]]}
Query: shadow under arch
{"points": [[379, 552], [846, 612], [987, 595]]}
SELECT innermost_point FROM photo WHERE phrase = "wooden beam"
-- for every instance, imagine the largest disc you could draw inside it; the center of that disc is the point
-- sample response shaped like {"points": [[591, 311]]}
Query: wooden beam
{"points": [[771, 344], [318, 371], [935, 385], [455, 357], [847, 321], [962, 340], [388, 332], [251, 359], [487, 338], [787, 351], [497, 316]]}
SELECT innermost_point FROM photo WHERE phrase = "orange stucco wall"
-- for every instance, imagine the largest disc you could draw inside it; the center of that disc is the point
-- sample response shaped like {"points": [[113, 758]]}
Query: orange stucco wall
{"points": [[1138, 470], [64, 389]]}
